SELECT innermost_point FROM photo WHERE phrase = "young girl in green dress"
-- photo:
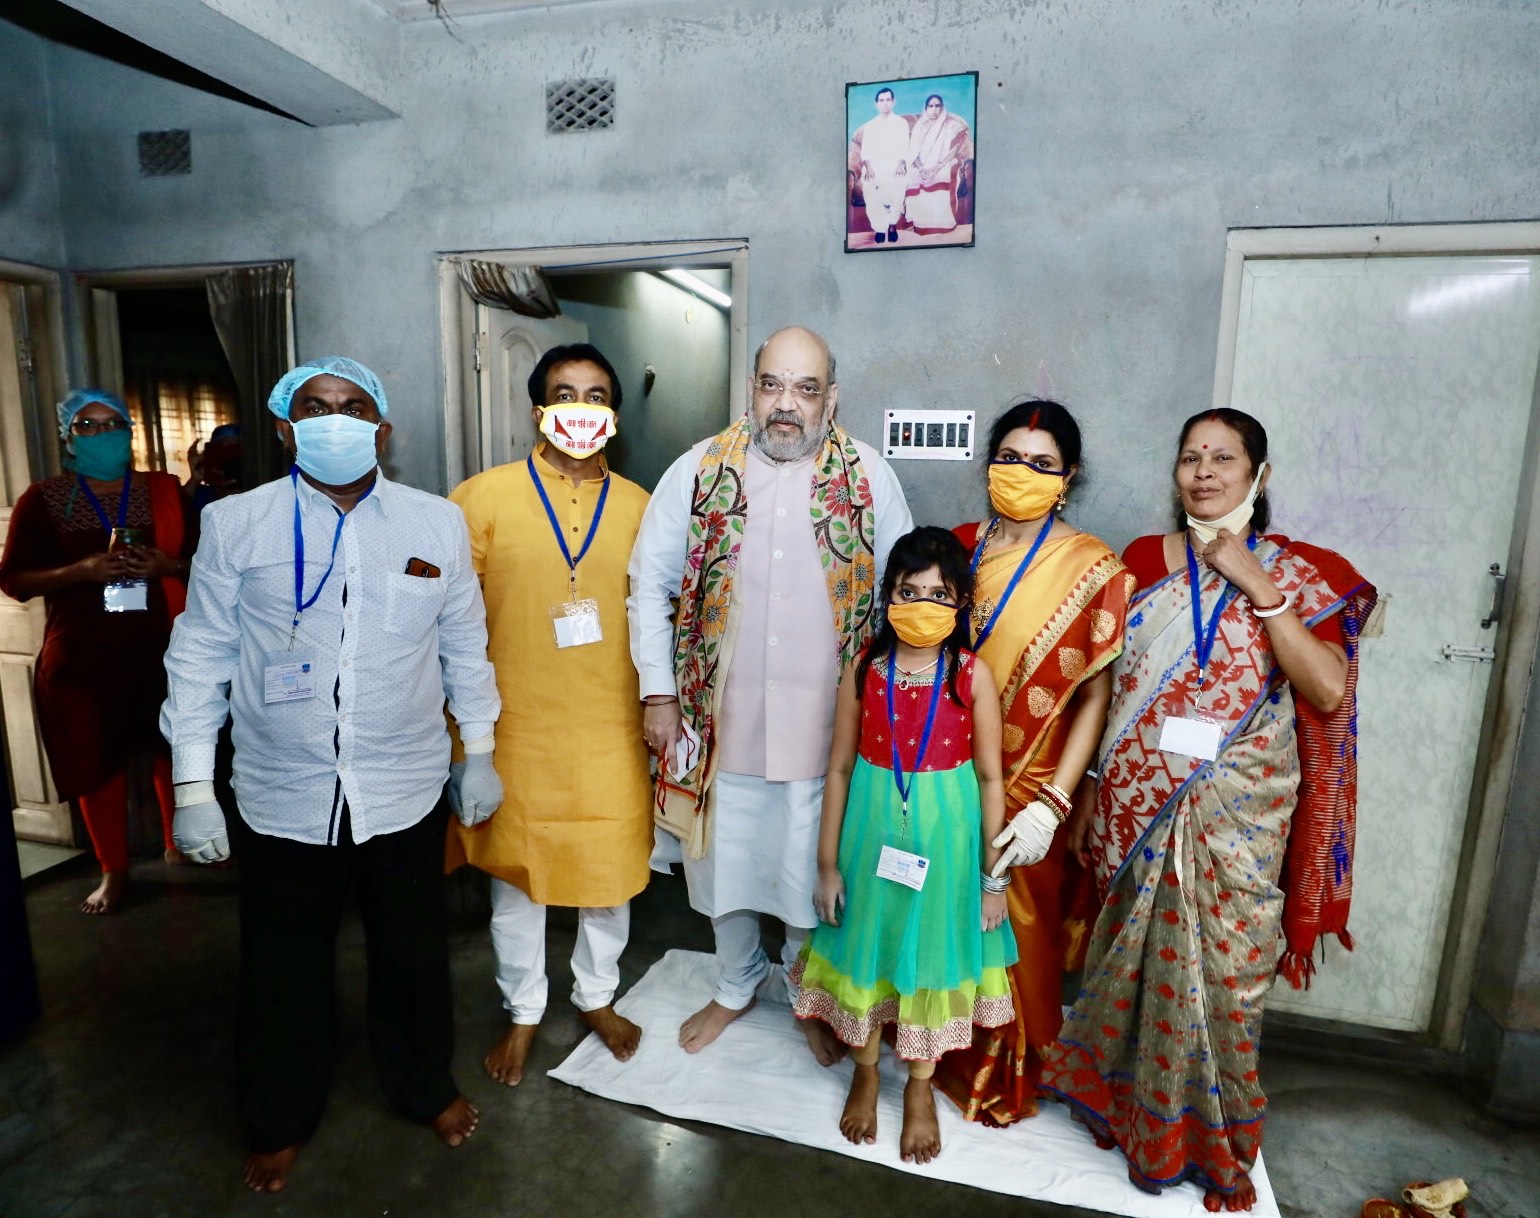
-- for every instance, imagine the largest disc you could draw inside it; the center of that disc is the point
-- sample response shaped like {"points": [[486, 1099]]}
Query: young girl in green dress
{"points": [[911, 927]]}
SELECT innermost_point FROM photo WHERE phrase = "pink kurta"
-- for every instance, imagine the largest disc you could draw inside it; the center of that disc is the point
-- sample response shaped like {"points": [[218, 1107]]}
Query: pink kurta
{"points": [[777, 711]]}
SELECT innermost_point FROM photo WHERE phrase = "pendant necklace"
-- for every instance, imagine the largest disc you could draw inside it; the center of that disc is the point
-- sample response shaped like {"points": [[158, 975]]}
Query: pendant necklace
{"points": [[905, 676]]}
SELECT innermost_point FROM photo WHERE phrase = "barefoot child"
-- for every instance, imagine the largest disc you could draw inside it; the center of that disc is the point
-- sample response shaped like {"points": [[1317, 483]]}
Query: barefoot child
{"points": [[913, 793]]}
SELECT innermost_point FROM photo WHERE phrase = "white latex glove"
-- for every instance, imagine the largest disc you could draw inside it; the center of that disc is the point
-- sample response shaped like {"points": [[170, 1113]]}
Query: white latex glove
{"points": [[1025, 840], [198, 829], [475, 790]]}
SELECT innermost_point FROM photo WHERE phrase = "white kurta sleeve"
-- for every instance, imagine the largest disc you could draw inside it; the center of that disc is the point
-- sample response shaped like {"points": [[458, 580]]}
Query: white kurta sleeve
{"points": [[656, 573], [893, 518]]}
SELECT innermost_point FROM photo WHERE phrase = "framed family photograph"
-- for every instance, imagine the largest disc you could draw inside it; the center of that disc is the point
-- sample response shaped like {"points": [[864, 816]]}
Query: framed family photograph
{"points": [[910, 162]]}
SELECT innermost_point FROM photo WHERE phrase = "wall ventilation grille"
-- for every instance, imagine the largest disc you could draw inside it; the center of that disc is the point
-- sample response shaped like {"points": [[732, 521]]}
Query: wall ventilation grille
{"points": [[579, 105], [162, 153]]}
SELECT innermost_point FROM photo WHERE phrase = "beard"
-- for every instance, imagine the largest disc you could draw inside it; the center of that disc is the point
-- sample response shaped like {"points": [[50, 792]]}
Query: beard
{"points": [[803, 444]]}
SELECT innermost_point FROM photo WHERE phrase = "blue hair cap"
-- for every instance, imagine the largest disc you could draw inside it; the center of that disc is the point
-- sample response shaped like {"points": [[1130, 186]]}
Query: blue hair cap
{"points": [[79, 399], [282, 397]]}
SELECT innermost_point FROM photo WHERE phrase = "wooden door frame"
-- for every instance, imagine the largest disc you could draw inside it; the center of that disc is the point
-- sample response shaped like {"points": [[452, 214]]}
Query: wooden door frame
{"points": [[459, 338], [1517, 635], [31, 454]]}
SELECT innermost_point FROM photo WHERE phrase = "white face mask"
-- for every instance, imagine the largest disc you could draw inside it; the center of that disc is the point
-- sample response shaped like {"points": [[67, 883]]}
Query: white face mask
{"points": [[1236, 519], [578, 429]]}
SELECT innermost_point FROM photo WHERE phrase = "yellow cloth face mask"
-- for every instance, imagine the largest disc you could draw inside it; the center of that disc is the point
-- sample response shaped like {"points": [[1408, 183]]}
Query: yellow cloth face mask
{"points": [[1023, 492], [922, 623]]}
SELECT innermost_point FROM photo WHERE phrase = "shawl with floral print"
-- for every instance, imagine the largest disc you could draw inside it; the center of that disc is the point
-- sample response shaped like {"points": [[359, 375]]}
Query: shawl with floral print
{"points": [[844, 526]]}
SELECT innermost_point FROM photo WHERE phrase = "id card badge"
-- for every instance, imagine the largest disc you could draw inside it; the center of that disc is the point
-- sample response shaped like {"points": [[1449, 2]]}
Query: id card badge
{"points": [[285, 679], [577, 623], [1191, 737], [131, 596], [902, 867]]}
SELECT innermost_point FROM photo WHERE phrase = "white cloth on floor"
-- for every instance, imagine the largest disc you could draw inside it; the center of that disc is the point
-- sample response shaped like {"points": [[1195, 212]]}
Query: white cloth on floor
{"points": [[760, 1077]]}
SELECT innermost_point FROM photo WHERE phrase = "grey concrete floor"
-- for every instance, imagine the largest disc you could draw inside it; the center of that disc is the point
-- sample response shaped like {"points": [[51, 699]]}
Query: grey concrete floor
{"points": [[119, 1102]]}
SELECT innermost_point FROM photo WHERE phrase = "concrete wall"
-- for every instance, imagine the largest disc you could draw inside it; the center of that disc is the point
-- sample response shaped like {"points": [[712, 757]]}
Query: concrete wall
{"points": [[30, 227], [636, 319], [1117, 142]]}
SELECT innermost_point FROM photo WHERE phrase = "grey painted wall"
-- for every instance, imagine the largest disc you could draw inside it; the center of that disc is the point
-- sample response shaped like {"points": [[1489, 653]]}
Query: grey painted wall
{"points": [[1117, 142], [30, 226], [636, 319]]}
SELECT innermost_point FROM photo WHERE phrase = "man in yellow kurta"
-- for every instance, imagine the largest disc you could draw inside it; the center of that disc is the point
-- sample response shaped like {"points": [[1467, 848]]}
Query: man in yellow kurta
{"points": [[550, 538]]}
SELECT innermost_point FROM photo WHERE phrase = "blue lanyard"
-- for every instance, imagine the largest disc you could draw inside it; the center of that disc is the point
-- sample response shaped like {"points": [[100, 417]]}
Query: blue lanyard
{"points": [[978, 554], [550, 514], [1203, 641], [101, 513], [905, 786], [300, 603]]}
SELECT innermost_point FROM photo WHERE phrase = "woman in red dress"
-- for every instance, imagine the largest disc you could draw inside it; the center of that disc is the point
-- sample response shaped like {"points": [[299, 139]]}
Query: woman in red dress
{"points": [[108, 549]]}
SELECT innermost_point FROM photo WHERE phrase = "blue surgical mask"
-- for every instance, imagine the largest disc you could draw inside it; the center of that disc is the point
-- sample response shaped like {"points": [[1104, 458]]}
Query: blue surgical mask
{"points": [[335, 449], [104, 456]]}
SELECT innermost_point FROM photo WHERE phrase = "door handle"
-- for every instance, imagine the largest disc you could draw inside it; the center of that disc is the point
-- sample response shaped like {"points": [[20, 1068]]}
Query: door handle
{"points": [[1499, 586], [1472, 655]]}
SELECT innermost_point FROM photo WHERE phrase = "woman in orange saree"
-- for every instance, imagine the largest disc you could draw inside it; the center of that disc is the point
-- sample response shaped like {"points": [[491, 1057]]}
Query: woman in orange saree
{"points": [[1222, 836], [1049, 610]]}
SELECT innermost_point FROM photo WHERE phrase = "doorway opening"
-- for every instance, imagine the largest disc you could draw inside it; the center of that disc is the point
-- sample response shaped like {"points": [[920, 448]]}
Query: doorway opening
{"points": [[670, 317], [177, 381], [192, 349]]}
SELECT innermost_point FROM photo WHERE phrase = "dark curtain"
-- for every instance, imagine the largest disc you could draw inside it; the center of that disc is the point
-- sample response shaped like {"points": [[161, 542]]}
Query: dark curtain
{"points": [[521, 289], [250, 307]]}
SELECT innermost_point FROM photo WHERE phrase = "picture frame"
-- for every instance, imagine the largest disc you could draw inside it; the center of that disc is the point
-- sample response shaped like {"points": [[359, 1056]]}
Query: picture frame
{"points": [[911, 163]]}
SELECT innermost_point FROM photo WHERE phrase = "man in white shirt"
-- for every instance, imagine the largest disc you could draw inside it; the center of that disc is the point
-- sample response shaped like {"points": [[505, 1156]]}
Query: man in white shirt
{"points": [[878, 156], [772, 534], [330, 614]]}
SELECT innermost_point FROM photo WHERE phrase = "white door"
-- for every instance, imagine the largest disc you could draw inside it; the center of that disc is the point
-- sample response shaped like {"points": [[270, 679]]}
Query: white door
{"points": [[35, 808], [510, 347], [1396, 394]]}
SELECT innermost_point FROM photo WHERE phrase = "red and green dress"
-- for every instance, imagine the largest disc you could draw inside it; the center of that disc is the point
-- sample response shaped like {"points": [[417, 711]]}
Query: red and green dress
{"points": [[917, 959]]}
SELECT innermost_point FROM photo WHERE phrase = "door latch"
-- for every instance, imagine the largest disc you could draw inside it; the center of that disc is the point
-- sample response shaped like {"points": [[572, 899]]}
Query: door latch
{"points": [[1471, 655], [1499, 586]]}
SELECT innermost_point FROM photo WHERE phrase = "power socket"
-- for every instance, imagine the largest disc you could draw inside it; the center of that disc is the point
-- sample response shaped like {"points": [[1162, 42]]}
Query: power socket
{"points": [[928, 435]]}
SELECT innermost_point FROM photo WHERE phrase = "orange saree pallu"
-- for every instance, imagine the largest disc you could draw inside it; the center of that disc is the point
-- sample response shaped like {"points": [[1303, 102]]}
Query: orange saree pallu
{"points": [[1063, 625], [1202, 907]]}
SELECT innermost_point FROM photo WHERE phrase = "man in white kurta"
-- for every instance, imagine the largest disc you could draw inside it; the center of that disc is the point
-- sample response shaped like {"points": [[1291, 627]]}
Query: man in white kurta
{"points": [[879, 157], [775, 712]]}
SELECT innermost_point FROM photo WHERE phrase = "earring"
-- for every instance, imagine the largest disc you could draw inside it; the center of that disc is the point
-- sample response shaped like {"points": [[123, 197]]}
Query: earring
{"points": [[1063, 495]]}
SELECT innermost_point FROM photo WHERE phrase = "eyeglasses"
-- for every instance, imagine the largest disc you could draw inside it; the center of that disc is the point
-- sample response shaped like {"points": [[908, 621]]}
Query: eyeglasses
{"points": [[771, 387], [94, 427]]}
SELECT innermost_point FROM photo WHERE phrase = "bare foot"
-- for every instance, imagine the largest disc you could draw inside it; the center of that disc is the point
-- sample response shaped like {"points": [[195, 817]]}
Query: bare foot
{"points": [[706, 1025], [920, 1139], [859, 1120], [619, 1034], [105, 897], [457, 1122], [269, 1172], [506, 1061], [827, 1048], [1237, 1202], [173, 857]]}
